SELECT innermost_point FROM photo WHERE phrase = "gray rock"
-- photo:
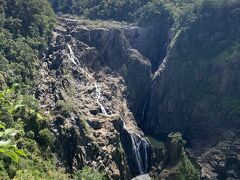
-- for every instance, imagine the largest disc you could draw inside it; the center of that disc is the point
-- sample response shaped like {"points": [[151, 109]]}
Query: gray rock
{"points": [[142, 177]]}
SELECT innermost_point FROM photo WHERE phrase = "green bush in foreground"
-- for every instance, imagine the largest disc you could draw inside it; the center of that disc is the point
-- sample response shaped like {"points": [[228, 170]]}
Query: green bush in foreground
{"points": [[88, 173], [25, 139]]}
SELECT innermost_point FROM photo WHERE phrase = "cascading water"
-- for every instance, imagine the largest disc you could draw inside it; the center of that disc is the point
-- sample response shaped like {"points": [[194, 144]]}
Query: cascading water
{"points": [[140, 146], [138, 151], [98, 89], [98, 97], [71, 54], [145, 106]]}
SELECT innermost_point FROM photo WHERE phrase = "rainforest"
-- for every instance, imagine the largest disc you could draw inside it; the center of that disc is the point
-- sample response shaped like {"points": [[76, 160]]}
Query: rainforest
{"points": [[120, 89]]}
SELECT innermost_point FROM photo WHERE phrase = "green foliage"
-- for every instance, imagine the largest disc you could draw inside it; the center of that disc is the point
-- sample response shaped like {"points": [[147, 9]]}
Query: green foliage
{"points": [[28, 17], [176, 138], [65, 107], [153, 11], [7, 145], [27, 135], [186, 169], [24, 29], [156, 143], [88, 173], [38, 168], [121, 10], [129, 10], [46, 138]]}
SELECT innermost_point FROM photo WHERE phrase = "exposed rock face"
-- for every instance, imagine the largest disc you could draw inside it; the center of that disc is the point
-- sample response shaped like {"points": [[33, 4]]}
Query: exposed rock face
{"points": [[196, 89], [97, 83], [114, 50], [88, 81], [152, 40], [220, 160]]}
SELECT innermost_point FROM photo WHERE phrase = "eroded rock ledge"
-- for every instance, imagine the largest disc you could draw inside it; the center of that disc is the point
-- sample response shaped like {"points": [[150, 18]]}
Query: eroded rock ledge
{"points": [[99, 86], [89, 81]]}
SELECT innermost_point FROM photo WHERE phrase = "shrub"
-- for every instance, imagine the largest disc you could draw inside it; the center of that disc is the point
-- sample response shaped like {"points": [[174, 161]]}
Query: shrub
{"points": [[89, 174], [65, 107], [46, 138]]}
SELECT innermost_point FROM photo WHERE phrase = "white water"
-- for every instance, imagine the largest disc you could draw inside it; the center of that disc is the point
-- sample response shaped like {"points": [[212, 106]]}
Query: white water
{"points": [[136, 152], [98, 97], [137, 143], [98, 89], [145, 144], [71, 54]]}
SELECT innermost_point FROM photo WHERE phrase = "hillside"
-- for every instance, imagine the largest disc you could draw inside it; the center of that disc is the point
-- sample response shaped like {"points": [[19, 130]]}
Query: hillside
{"points": [[101, 89]]}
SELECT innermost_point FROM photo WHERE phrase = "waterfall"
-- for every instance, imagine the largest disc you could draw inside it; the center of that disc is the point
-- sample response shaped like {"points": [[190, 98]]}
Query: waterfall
{"points": [[138, 150], [139, 147], [98, 90], [145, 106], [71, 55], [146, 145], [98, 97]]}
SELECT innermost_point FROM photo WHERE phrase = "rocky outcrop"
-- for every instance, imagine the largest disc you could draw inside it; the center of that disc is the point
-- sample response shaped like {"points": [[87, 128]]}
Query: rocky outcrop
{"points": [[178, 164], [115, 51], [219, 160], [88, 86], [196, 88], [100, 80]]}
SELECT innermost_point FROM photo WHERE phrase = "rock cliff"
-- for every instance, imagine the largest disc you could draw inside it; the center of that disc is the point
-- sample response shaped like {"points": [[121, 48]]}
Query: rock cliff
{"points": [[196, 89], [103, 80], [90, 83]]}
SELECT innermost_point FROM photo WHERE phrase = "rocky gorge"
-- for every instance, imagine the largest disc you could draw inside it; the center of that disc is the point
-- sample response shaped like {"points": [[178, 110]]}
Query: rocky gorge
{"points": [[107, 92], [123, 89]]}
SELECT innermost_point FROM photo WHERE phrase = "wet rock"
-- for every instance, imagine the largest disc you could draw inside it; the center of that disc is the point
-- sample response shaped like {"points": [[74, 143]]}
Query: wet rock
{"points": [[68, 38], [137, 64], [59, 39], [57, 62]]}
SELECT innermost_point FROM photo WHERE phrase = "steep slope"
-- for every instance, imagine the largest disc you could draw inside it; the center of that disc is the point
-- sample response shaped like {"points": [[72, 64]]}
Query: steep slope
{"points": [[91, 87], [196, 89], [105, 85], [86, 82]]}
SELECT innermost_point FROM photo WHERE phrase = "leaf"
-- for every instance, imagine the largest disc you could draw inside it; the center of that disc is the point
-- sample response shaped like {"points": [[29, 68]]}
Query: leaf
{"points": [[39, 116], [12, 152], [11, 132], [1, 95], [1, 134], [20, 152], [12, 155], [18, 106], [4, 143], [9, 91], [2, 126], [32, 111], [2, 150]]}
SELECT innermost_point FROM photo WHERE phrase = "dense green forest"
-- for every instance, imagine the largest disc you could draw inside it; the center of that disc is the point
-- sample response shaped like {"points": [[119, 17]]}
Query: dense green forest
{"points": [[126, 10], [26, 141]]}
